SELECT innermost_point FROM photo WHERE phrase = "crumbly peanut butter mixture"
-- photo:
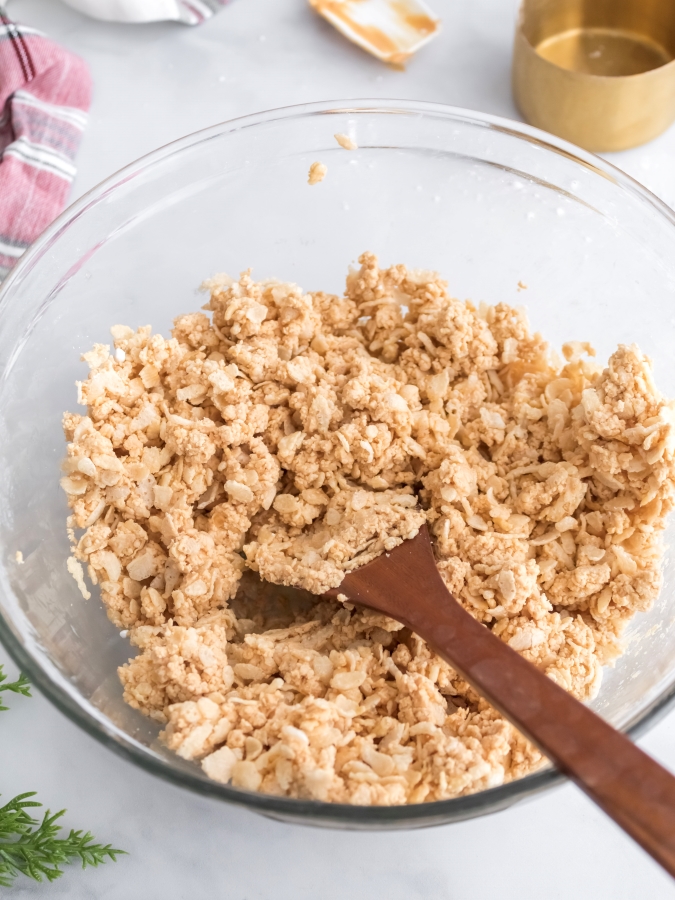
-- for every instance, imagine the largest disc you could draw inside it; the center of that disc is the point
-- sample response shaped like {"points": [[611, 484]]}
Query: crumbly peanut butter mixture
{"points": [[297, 435]]}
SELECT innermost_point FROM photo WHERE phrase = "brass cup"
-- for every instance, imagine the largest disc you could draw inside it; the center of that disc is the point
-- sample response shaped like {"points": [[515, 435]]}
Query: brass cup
{"points": [[600, 73]]}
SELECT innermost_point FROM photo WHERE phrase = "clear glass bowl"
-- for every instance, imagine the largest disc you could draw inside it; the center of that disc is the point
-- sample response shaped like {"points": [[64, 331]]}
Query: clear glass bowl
{"points": [[487, 202]]}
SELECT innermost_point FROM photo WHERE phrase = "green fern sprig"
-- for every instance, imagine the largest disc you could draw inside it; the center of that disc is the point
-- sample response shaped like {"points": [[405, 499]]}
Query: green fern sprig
{"points": [[32, 848], [20, 686], [38, 852]]}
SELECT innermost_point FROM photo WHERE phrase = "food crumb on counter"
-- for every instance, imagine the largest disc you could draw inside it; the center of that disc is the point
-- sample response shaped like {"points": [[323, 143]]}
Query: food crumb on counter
{"points": [[346, 142], [317, 173]]}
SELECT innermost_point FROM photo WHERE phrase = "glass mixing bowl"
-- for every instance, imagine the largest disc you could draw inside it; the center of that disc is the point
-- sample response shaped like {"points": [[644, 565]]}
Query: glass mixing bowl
{"points": [[488, 202]]}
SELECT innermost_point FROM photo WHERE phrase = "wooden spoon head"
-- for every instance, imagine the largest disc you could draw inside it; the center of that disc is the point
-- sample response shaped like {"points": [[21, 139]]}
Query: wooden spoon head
{"points": [[390, 583]]}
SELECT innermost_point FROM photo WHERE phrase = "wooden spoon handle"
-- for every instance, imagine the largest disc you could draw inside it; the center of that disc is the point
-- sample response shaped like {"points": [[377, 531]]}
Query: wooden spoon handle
{"points": [[632, 788]]}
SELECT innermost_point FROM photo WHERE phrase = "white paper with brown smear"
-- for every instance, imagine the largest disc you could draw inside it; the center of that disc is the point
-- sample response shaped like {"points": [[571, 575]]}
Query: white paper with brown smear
{"points": [[392, 30]]}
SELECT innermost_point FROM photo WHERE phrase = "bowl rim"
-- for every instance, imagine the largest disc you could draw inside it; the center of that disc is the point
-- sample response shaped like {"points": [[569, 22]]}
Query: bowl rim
{"points": [[311, 812]]}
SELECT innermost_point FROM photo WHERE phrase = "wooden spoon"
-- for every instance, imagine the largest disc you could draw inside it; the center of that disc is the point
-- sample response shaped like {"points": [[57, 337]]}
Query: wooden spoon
{"points": [[632, 788]]}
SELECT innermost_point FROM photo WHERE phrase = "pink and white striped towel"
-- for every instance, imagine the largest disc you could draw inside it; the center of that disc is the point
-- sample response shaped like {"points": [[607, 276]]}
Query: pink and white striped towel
{"points": [[45, 93]]}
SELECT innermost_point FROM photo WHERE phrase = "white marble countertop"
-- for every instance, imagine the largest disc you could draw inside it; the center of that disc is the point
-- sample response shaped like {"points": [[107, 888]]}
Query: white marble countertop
{"points": [[155, 83]]}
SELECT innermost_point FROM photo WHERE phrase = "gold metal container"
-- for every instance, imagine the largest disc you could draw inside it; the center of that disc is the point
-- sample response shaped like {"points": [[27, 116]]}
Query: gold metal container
{"points": [[600, 73]]}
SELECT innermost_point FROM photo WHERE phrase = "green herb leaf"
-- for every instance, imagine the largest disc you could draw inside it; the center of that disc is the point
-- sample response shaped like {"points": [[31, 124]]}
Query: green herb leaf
{"points": [[34, 849], [20, 686]]}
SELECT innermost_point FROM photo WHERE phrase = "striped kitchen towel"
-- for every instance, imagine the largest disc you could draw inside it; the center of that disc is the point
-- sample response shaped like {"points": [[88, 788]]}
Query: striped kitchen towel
{"points": [[190, 12], [45, 93]]}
